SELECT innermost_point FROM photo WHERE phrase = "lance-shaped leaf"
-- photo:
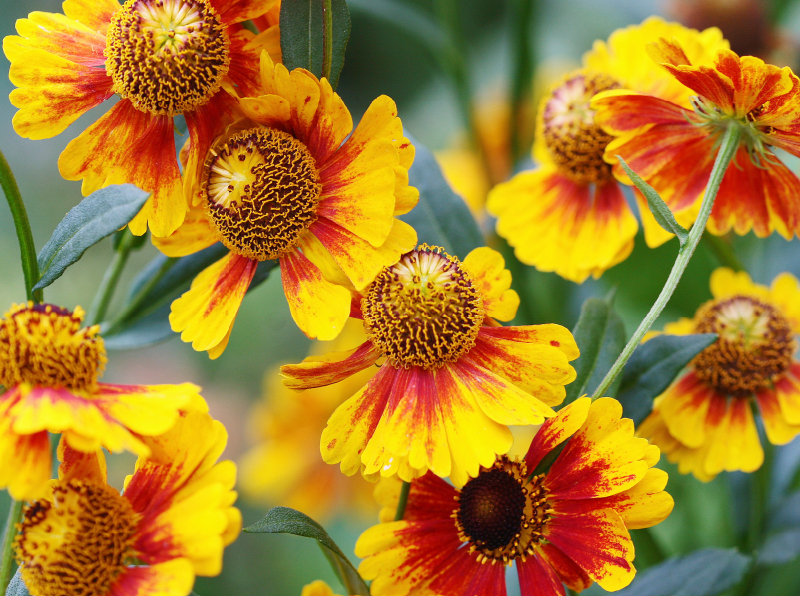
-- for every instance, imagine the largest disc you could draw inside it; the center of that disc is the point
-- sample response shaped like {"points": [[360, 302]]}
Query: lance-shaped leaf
{"points": [[283, 520], [600, 335], [17, 587], [658, 207], [441, 217], [99, 215], [705, 572], [652, 368], [780, 548]]}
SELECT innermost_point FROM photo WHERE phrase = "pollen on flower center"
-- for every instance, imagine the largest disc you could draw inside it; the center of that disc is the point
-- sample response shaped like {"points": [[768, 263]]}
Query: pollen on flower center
{"points": [[261, 190], [574, 141], [45, 346], [500, 514], [755, 345], [167, 56], [78, 542], [424, 311]]}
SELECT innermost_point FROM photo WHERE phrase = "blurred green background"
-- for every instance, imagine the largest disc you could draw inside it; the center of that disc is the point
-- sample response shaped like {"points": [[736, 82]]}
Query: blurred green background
{"points": [[383, 59]]}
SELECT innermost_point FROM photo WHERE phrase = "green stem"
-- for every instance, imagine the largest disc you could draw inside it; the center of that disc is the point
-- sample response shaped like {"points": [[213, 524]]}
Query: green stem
{"points": [[401, 504], [30, 266], [109, 283], [7, 558], [524, 45], [724, 252], [327, 39], [730, 143], [759, 502], [648, 543]]}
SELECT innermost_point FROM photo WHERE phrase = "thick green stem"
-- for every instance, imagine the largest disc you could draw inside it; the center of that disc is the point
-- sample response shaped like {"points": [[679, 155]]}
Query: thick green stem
{"points": [[401, 504], [7, 558], [524, 57], [730, 143], [327, 39], [110, 280], [723, 251], [138, 300], [30, 266]]}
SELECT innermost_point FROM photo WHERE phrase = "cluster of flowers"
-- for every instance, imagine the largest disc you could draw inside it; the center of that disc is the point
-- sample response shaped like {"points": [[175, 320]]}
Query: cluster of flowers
{"points": [[274, 170]]}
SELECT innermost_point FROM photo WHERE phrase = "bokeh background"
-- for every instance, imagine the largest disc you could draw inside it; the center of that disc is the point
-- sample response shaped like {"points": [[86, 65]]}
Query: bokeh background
{"points": [[384, 59]]}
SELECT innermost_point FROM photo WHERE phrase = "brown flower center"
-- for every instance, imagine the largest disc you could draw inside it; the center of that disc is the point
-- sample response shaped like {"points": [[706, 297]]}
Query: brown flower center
{"points": [[755, 345], [45, 346], [574, 141], [424, 311], [261, 189], [78, 543], [167, 56]]}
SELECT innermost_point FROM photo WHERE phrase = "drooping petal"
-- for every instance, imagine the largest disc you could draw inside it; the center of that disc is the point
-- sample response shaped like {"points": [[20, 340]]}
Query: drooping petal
{"points": [[779, 431], [685, 407], [537, 578], [195, 233], [570, 573], [689, 460], [493, 280], [25, 463], [318, 371], [78, 465], [787, 390], [734, 444], [620, 111]]}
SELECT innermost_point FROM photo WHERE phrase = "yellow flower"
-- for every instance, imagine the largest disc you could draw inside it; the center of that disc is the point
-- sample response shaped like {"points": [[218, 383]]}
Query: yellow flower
{"points": [[50, 367], [452, 381], [162, 59], [570, 215], [569, 525], [317, 588], [287, 183], [704, 421], [172, 522], [286, 426]]}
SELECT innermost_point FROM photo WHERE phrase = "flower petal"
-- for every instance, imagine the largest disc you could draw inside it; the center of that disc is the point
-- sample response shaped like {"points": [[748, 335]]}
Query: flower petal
{"points": [[620, 111], [643, 505], [318, 371], [788, 391], [237, 11], [556, 430], [59, 35], [537, 578], [95, 14], [78, 465], [25, 463], [170, 577], [493, 280], [195, 233], [734, 444], [779, 431], [685, 408]]}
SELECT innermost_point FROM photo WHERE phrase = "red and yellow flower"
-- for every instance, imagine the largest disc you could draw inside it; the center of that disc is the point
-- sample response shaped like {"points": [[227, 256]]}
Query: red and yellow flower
{"points": [[704, 421], [287, 183], [567, 525], [172, 522], [451, 378], [673, 146], [49, 367], [162, 58], [570, 215]]}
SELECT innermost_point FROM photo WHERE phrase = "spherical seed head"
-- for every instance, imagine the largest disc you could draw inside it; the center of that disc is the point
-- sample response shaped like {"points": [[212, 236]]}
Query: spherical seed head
{"points": [[45, 346], [423, 311], [167, 56], [78, 542], [755, 346], [261, 190], [573, 140]]}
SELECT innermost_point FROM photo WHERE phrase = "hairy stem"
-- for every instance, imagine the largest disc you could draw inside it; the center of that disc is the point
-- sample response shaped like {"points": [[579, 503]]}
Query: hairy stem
{"points": [[401, 504], [6, 558]]}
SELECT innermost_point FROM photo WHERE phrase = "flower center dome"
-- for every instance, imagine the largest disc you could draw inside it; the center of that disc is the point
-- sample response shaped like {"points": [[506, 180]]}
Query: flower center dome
{"points": [[167, 56], [755, 345], [423, 311], [574, 141], [78, 543], [261, 189], [45, 346]]}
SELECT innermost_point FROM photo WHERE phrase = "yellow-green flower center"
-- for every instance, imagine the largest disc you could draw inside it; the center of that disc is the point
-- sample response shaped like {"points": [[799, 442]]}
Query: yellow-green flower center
{"points": [[78, 543], [575, 143], [167, 56], [45, 346], [261, 190], [424, 311], [755, 345]]}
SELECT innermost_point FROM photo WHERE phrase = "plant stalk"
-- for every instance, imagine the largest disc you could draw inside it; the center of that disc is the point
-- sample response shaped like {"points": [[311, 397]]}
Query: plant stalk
{"points": [[327, 39], [524, 48], [110, 280], [401, 504], [730, 143], [137, 300], [7, 558]]}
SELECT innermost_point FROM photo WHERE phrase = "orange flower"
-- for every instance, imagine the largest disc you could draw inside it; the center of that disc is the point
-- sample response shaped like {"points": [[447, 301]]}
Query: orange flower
{"points": [[673, 147], [163, 58]]}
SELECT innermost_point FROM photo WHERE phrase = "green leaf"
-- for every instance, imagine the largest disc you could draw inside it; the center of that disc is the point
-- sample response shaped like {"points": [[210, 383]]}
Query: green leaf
{"points": [[441, 217], [658, 207], [652, 368], [314, 39], [786, 513], [99, 215], [17, 587], [780, 548], [705, 572], [283, 520], [600, 335]]}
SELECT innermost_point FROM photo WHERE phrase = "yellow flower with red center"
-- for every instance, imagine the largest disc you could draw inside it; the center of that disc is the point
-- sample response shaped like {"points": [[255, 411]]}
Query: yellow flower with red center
{"points": [[287, 422], [172, 522], [569, 524], [451, 379], [162, 58], [673, 146], [570, 215], [704, 421], [49, 367], [284, 184]]}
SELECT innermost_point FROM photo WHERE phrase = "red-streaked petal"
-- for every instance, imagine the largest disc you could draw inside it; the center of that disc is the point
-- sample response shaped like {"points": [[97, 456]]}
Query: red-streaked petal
{"points": [[332, 125], [556, 430], [462, 574], [318, 371], [429, 498], [77, 465], [734, 444], [549, 334], [236, 11], [570, 573], [57, 34], [95, 14], [622, 111], [788, 392], [685, 409], [643, 505], [171, 577], [537, 578], [25, 463], [245, 56], [779, 431]]}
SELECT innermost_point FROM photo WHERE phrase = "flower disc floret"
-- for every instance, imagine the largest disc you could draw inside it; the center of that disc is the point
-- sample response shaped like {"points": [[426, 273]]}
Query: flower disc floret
{"points": [[575, 143], [755, 345], [44, 345], [425, 311], [261, 190], [167, 56], [78, 543]]}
